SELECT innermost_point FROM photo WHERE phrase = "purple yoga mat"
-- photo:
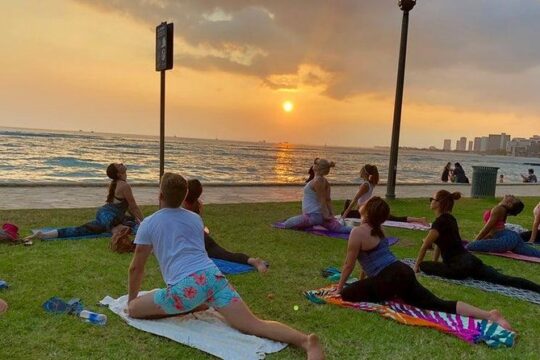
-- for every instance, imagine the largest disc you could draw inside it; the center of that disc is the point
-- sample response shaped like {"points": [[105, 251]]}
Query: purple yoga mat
{"points": [[321, 231]]}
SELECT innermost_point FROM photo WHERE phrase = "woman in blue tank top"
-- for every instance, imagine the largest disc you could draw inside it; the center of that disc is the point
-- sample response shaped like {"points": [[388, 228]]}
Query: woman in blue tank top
{"points": [[119, 200], [389, 278], [316, 202]]}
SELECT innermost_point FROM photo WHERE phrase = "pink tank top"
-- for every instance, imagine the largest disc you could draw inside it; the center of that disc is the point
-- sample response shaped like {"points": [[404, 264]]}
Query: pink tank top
{"points": [[498, 225]]}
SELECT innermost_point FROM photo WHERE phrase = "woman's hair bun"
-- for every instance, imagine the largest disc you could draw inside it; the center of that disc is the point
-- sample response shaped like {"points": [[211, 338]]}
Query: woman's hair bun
{"points": [[456, 195]]}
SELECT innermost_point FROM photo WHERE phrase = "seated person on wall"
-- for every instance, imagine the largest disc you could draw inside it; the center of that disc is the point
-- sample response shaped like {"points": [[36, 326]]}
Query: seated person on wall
{"points": [[530, 178]]}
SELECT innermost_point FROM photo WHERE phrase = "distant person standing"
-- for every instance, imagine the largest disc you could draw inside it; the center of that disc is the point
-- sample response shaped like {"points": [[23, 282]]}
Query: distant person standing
{"points": [[447, 172], [459, 174], [531, 178], [501, 178]]}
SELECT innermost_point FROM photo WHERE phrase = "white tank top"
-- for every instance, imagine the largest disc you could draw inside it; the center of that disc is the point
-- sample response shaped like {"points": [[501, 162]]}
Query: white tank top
{"points": [[364, 198], [310, 202]]}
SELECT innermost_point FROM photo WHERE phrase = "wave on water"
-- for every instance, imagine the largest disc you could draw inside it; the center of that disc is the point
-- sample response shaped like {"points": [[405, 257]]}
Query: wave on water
{"points": [[46, 157]]}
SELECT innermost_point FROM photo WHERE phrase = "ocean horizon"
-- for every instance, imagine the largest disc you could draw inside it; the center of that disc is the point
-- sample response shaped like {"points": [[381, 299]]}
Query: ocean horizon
{"points": [[80, 157]]}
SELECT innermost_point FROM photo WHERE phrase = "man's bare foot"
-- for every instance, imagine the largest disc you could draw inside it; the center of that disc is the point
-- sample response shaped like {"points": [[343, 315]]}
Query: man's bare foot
{"points": [[314, 348], [496, 316], [261, 265]]}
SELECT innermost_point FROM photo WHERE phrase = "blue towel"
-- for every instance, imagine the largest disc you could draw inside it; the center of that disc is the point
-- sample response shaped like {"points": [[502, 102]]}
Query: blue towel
{"points": [[231, 268]]}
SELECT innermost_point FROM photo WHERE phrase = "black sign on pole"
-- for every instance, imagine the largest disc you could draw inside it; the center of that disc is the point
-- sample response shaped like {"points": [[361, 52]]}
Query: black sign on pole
{"points": [[164, 61]]}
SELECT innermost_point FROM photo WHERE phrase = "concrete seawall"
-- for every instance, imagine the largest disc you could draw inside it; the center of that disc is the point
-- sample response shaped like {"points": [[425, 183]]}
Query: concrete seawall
{"points": [[48, 196]]}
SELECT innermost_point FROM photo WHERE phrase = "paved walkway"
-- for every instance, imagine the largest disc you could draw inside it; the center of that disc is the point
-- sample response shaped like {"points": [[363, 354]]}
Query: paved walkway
{"points": [[47, 197]]}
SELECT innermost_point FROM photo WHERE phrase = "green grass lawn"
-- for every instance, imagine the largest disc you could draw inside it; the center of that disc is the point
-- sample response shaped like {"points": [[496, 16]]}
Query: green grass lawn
{"points": [[89, 270]]}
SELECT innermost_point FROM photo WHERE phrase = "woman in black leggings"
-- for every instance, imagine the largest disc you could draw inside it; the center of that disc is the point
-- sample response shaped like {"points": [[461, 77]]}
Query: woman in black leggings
{"points": [[457, 262], [389, 278], [193, 203]]}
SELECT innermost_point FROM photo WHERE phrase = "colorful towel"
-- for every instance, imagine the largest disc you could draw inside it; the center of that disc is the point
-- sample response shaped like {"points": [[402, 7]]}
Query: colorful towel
{"points": [[232, 268], [205, 330], [465, 328], [522, 294], [321, 231]]}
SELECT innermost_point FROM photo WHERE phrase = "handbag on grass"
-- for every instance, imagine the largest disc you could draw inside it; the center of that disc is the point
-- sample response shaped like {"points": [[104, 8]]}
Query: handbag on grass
{"points": [[121, 241]]}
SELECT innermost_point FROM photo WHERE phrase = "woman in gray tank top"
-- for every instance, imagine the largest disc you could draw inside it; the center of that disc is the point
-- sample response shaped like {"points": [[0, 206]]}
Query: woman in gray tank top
{"points": [[316, 202]]}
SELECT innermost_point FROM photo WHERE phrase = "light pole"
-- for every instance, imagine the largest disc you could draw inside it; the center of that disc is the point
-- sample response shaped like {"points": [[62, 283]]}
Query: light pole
{"points": [[405, 6]]}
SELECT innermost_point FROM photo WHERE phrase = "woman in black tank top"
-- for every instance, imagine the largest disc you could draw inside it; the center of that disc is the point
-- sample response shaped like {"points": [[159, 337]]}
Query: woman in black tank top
{"points": [[457, 262]]}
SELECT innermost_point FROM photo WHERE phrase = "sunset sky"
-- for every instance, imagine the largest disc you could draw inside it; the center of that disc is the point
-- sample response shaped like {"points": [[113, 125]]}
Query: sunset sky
{"points": [[473, 68]]}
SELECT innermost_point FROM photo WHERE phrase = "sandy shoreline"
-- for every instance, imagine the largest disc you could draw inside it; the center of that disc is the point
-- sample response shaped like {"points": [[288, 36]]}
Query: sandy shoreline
{"points": [[70, 197]]}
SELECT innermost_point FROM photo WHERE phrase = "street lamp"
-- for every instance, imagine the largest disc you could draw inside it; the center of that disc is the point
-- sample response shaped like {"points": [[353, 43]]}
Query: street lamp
{"points": [[405, 6]]}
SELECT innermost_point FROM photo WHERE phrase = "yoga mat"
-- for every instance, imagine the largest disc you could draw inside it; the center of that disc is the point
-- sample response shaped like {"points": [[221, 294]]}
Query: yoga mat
{"points": [[388, 223], [465, 328], [321, 231], [232, 268], [93, 236], [205, 330], [406, 225], [508, 254], [511, 255], [522, 294]]}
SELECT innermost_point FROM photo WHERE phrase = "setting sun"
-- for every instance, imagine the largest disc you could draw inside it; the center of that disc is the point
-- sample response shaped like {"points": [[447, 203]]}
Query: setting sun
{"points": [[288, 106]]}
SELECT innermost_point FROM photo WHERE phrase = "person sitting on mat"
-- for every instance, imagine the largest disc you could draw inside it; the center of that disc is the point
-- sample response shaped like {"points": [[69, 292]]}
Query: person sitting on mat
{"points": [[387, 277], [175, 236], [457, 262], [495, 238], [533, 235], [119, 200], [193, 203], [370, 176], [316, 202]]}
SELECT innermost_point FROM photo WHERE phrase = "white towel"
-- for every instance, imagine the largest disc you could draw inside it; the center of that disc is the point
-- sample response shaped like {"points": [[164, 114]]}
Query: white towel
{"points": [[205, 330]]}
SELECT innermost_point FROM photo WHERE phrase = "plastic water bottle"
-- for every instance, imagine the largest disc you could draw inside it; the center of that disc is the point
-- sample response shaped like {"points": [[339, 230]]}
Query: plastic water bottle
{"points": [[93, 318]]}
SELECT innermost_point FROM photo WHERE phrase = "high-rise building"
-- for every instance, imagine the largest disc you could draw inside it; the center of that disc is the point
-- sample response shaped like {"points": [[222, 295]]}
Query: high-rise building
{"points": [[447, 145], [477, 144], [470, 146], [461, 144], [484, 141], [494, 142]]}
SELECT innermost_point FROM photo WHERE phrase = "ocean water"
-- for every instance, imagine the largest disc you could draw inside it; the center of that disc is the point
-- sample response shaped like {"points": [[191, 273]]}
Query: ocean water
{"points": [[79, 157]]}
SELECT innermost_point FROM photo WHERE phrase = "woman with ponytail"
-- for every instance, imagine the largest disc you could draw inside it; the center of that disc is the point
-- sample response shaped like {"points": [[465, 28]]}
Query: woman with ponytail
{"points": [[387, 277], [119, 200], [316, 203], [495, 238], [457, 262], [370, 178]]}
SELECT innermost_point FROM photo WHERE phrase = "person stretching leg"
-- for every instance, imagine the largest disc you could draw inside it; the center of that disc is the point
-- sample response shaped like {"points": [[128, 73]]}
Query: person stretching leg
{"points": [[175, 236]]}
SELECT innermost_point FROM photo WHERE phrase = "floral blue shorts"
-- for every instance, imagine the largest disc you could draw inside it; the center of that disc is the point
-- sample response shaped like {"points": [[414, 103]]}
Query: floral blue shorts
{"points": [[208, 286]]}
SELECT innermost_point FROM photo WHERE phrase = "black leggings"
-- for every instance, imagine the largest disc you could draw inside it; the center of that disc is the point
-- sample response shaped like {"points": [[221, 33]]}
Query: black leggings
{"points": [[396, 280], [467, 265], [217, 252], [527, 235]]}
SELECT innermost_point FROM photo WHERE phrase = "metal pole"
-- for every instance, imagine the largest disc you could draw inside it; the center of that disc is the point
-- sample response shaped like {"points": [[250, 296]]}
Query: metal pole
{"points": [[392, 166], [162, 127]]}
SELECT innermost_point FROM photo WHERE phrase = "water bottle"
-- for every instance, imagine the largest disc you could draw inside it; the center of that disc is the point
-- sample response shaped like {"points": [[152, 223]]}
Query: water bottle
{"points": [[3, 284], [93, 318]]}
